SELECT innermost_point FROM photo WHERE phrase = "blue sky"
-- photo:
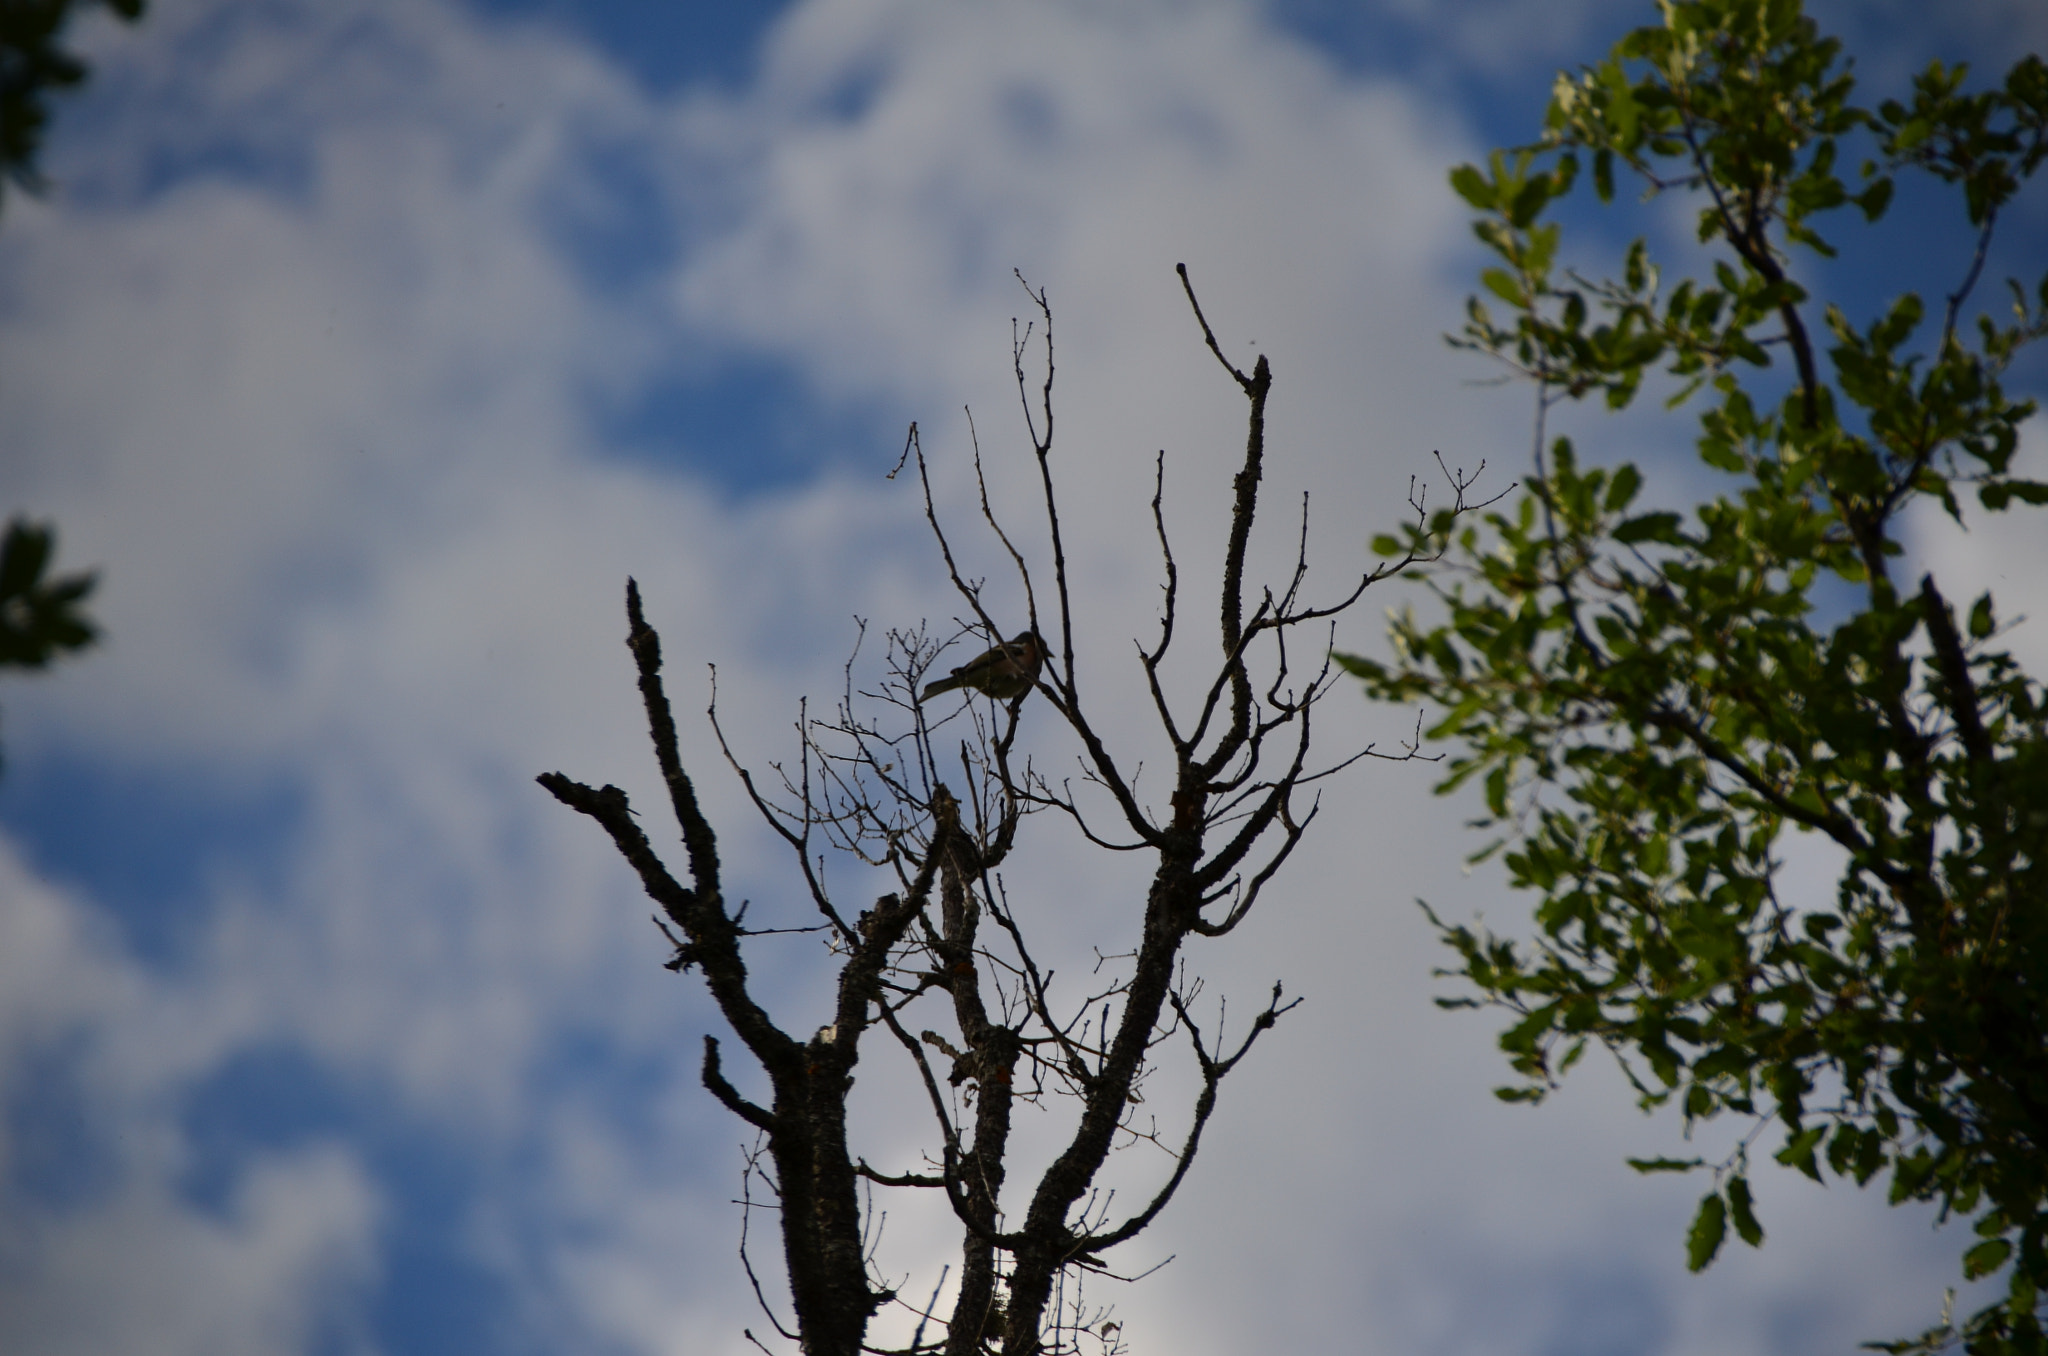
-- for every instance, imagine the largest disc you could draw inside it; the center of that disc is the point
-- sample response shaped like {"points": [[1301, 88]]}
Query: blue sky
{"points": [[367, 347]]}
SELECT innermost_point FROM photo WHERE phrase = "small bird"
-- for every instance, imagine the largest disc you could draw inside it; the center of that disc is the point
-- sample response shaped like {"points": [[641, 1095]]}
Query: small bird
{"points": [[1005, 672]]}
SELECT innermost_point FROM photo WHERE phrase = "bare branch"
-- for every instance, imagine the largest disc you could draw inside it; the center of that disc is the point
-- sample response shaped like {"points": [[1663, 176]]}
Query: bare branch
{"points": [[729, 1096], [1213, 1072], [697, 835], [865, 787]]}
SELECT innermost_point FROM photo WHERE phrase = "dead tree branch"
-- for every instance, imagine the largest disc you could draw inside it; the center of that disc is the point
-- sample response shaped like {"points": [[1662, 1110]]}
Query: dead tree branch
{"points": [[874, 781]]}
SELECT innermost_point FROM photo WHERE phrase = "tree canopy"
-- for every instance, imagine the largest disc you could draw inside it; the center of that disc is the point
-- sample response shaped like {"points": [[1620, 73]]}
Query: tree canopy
{"points": [[1650, 699], [32, 66], [39, 613], [41, 616]]}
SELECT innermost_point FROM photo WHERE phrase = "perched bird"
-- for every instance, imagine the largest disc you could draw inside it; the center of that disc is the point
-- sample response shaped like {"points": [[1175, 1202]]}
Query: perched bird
{"points": [[1005, 672]]}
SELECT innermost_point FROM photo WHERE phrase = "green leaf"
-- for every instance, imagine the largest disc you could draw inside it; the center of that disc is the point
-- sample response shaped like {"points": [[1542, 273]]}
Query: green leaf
{"points": [[22, 558], [1471, 185], [1622, 490], [1529, 202], [1504, 285], [1996, 494], [1647, 1165], [1985, 1258], [1718, 454], [1622, 114], [1661, 527], [1709, 1227], [1635, 268], [1740, 1206], [39, 617], [1799, 1151], [1842, 1148]]}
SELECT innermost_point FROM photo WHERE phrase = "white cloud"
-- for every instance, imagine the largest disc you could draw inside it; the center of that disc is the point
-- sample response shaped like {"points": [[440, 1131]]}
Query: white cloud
{"points": [[144, 1271], [293, 1249], [124, 1261]]}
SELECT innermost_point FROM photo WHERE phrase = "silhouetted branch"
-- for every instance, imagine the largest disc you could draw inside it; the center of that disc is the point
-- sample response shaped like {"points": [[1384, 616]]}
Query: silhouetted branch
{"points": [[867, 783]]}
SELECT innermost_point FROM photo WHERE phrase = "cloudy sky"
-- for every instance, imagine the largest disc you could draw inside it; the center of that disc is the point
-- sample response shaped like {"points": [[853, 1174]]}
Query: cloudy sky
{"points": [[367, 347]]}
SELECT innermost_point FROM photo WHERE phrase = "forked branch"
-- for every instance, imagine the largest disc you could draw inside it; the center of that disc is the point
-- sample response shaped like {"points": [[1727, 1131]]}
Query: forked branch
{"points": [[985, 1021]]}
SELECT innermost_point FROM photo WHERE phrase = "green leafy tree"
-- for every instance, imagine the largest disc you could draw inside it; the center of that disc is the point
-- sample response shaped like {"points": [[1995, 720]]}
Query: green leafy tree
{"points": [[32, 67], [41, 615], [1650, 699]]}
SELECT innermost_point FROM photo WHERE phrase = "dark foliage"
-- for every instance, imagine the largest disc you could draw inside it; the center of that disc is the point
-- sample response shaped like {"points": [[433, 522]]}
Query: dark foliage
{"points": [[32, 68], [1650, 699]]}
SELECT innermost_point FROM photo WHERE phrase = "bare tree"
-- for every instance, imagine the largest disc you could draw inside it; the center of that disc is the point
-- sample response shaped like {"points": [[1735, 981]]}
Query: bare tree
{"points": [[945, 947]]}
